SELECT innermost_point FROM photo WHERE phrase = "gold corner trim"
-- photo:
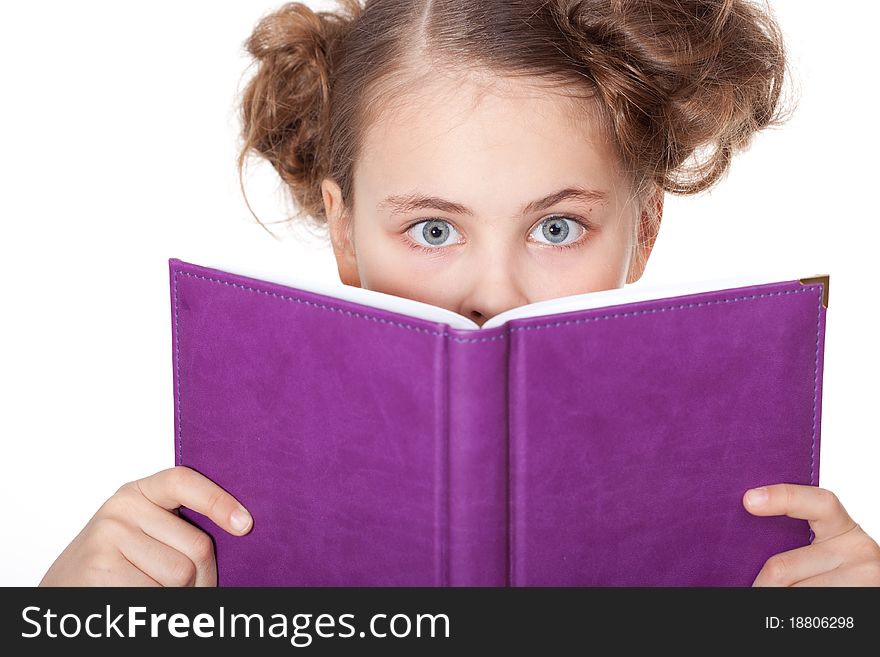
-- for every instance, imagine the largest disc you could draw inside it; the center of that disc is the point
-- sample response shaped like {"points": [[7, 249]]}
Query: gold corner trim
{"points": [[825, 280]]}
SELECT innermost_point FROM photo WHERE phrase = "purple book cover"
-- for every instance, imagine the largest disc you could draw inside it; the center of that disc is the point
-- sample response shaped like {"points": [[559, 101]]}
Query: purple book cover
{"points": [[608, 446]]}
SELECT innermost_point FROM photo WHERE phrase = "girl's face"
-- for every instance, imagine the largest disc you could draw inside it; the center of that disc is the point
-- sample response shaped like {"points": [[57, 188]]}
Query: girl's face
{"points": [[480, 199]]}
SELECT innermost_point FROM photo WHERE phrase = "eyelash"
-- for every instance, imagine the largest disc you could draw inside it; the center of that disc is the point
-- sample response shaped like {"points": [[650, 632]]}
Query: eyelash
{"points": [[418, 247], [571, 245]]}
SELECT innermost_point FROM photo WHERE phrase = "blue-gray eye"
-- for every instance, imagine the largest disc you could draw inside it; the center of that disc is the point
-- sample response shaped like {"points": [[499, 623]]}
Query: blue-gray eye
{"points": [[555, 230], [433, 232]]}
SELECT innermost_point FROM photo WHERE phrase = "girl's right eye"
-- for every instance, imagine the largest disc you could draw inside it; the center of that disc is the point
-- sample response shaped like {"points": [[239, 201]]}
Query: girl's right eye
{"points": [[433, 233]]}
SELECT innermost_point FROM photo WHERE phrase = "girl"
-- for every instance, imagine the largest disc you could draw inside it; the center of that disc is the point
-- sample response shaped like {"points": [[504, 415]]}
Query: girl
{"points": [[480, 156]]}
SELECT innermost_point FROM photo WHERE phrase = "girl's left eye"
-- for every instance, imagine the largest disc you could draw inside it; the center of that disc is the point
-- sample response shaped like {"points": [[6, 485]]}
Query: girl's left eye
{"points": [[555, 230]]}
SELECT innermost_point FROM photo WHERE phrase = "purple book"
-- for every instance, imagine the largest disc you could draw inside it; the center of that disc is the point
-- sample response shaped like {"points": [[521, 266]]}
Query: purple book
{"points": [[603, 439]]}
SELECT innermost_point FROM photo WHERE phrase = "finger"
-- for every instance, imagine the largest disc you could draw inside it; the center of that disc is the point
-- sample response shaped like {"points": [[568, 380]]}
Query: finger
{"points": [[786, 568], [119, 572], [177, 533], [861, 574], [819, 506], [167, 566], [182, 486]]}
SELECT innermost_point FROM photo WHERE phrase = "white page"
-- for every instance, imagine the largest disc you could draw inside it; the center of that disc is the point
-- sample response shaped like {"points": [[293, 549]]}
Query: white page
{"points": [[371, 298], [631, 294], [417, 309]]}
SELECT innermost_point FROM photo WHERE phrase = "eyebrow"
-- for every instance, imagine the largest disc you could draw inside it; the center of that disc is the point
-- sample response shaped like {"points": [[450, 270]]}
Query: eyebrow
{"points": [[403, 203]]}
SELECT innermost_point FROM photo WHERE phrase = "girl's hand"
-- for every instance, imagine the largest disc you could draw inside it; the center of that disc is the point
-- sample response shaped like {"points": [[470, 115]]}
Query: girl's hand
{"points": [[137, 539], [841, 553]]}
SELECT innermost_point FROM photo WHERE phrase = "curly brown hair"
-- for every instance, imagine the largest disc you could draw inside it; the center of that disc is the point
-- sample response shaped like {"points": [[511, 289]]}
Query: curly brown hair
{"points": [[680, 85]]}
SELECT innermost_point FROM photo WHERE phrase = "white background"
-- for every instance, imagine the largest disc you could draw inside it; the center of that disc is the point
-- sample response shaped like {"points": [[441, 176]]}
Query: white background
{"points": [[119, 139]]}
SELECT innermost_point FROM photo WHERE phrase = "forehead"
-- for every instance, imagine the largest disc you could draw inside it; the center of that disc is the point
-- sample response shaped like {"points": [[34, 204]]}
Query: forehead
{"points": [[505, 133]]}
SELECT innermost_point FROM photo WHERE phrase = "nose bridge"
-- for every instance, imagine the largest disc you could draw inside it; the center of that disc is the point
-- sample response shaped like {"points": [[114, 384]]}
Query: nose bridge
{"points": [[494, 286]]}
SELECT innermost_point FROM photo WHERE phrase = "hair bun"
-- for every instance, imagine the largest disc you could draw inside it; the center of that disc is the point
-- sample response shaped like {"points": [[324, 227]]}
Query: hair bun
{"points": [[293, 38], [687, 83], [285, 106]]}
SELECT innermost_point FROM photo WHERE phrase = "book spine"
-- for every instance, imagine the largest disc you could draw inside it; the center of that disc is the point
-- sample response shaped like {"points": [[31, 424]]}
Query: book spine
{"points": [[477, 457]]}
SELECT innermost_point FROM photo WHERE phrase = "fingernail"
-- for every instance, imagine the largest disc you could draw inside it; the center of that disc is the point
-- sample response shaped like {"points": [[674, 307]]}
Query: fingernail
{"points": [[757, 496], [240, 519]]}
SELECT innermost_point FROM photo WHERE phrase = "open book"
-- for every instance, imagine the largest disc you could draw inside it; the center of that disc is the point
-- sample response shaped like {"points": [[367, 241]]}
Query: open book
{"points": [[603, 439]]}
